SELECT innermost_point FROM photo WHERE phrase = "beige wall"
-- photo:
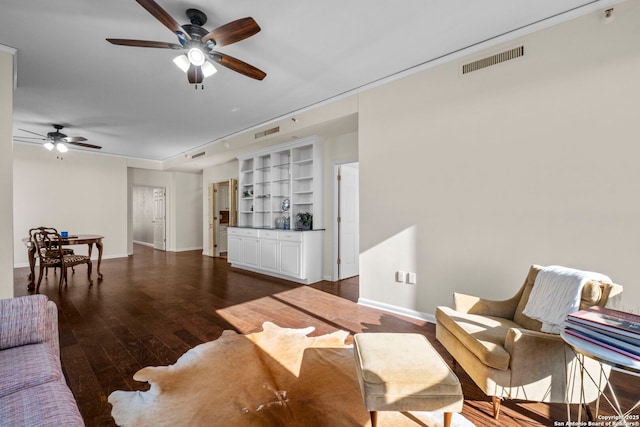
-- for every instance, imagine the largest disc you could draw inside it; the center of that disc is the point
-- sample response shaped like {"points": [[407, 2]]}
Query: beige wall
{"points": [[82, 194], [468, 180], [6, 175]]}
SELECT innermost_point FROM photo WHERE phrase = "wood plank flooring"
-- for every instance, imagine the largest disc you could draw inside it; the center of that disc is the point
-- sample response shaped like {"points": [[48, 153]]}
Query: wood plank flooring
{"points": [[154, 306]]}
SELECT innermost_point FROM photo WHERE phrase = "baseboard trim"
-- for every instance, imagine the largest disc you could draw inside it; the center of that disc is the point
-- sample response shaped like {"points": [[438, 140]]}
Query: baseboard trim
{"points": [[397, 310]]}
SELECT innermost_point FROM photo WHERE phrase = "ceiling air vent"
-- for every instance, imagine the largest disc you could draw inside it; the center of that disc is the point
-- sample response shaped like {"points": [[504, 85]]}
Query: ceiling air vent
{"points": [[267, 132], [507, 55], [195, 156]]}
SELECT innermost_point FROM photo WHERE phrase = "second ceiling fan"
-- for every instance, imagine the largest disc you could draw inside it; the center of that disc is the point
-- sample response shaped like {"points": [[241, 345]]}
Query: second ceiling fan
{"points": [[199, 43]]}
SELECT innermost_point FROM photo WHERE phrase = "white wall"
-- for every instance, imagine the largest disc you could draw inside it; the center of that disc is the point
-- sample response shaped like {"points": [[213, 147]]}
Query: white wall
{"points": [[468, 180], [188, 213], [82, 194], [142, 201], [6, 175]]}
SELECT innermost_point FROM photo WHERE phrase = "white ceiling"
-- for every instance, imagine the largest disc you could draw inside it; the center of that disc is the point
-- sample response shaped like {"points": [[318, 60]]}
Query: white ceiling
{"points": [[135, 102]]}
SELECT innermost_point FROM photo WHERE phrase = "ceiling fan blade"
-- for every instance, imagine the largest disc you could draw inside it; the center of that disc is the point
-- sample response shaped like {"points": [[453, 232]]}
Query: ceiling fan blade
{"points": [[31, 137], [161, 15], [72, 139], [238, 65], [82, 144], [144, 43], [232, 32], [29, 140], [24, 130], [194, 74]]}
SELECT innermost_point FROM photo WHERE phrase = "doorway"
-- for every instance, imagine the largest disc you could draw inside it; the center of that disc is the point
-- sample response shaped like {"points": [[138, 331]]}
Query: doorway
{"points": [[222, 214], [149, 216], [159, 219], [347, 214]]}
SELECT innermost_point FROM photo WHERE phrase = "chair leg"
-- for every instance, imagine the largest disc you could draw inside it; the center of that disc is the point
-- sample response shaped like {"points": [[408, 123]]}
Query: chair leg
{"points": [[447, 419], [63, 276], [89, 273], [39, 279], [496, 406], [374, 418]]}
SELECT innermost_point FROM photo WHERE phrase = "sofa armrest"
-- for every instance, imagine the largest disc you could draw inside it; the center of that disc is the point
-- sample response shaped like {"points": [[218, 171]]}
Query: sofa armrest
{"points": [[484, 307], [28, 320]]}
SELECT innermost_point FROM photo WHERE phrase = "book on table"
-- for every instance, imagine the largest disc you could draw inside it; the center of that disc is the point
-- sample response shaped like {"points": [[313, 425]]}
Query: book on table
{"points": [[616, 325], [604, 341]]}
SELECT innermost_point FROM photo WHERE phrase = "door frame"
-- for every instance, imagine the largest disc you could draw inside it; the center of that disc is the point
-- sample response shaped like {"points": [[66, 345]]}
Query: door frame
{"points": [[336, 213]]}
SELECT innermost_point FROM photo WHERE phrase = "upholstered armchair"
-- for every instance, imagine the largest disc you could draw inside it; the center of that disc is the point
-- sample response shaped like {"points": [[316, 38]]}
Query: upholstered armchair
{"points": [[505, 353]]}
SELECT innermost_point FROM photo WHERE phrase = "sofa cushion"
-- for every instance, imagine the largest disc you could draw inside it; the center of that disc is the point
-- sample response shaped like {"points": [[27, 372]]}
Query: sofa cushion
{"points": [[37, 365], [46, 405], [592, 294], [23, 320], [484, 336]]}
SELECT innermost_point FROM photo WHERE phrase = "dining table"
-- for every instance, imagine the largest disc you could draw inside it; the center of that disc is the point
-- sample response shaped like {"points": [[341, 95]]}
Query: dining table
{"points": [[77, 239]]}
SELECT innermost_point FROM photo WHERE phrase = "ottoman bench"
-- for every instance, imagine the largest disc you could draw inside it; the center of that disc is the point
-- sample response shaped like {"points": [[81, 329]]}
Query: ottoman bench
{"points": [[403, 372]]}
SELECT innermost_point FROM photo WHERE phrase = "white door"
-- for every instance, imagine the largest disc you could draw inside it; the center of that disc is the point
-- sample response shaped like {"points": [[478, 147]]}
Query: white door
{"points": [[348, 223], [213, 221], [159, 231]]}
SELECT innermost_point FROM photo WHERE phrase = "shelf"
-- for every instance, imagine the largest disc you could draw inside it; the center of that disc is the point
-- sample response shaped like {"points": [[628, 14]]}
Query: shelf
{"points": [[288, 171]]}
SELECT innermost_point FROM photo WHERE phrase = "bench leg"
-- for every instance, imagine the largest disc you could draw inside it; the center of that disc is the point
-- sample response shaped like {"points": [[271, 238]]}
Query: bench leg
{"points": [[374, 418], [447, 419]]}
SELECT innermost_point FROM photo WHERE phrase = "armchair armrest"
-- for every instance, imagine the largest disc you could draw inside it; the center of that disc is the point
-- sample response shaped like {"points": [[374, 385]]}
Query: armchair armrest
{"points": [[484, 307]]}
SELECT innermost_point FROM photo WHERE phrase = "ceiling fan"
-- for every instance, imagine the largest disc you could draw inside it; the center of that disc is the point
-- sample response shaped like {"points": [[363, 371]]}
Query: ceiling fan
{"points": [[57, 140], [200, 43]]}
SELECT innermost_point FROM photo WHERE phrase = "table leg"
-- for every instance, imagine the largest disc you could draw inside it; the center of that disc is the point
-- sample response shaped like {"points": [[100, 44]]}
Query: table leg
{"points": [[99, 246], [31, 255]]}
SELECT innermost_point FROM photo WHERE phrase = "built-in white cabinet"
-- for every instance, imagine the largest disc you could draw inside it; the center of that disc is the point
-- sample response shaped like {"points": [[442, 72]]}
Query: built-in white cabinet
{"points": [[289, 176], [289, 254]]}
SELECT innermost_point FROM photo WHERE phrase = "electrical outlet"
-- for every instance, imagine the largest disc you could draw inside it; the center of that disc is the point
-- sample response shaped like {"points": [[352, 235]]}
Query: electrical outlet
{"points": [[411, 278], [400, 276]]}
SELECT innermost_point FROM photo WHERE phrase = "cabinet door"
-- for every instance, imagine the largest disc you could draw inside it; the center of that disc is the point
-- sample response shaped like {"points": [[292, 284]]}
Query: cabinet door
{"points": [[291, 258], [250, 252], [269, 254], [234, 247]]}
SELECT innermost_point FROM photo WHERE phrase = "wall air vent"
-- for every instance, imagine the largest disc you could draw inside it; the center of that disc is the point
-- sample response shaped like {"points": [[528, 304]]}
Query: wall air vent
{"points": [[195, 156], [507, 55], [267, 132]]}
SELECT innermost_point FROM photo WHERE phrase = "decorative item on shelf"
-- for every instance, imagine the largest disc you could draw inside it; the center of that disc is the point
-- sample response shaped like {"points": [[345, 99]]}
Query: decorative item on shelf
{"points": [[287, 223], [304, 221], [280, 222]]}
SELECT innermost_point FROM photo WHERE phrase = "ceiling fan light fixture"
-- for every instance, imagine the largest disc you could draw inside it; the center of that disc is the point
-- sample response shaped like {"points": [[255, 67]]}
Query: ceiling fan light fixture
{"points": [[49, 145], [61, 147], [196, 56], [182, 62], [208, 69]]}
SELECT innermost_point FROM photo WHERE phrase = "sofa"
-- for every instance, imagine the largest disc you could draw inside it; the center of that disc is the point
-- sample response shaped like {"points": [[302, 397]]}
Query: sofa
{"points": [[506, 354], [33, 391]]}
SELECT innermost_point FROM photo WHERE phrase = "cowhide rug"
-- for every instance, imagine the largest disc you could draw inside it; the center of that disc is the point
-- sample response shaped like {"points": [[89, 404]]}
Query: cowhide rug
{"points": [[277, 377]]}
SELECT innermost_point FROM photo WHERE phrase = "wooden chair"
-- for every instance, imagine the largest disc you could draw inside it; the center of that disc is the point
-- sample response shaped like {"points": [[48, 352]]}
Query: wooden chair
{"points": [[65, 251], [47, 244]]}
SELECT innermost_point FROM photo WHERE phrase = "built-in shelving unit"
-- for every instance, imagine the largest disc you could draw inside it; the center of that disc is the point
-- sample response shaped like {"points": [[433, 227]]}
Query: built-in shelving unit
{"points": [[290, 171]]}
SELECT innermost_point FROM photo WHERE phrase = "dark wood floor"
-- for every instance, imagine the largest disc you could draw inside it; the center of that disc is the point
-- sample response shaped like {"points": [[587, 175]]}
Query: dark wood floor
{"points": [[154, 306]]}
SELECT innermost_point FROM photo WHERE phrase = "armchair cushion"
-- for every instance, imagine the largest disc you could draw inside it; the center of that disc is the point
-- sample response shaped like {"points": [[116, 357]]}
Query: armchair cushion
{"points": [[484, 336]]}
